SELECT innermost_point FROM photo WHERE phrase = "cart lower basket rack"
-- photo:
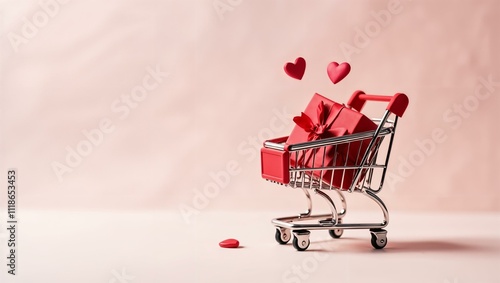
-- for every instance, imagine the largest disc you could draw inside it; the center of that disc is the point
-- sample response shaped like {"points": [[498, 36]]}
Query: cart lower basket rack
{"points": [[281, 163]]}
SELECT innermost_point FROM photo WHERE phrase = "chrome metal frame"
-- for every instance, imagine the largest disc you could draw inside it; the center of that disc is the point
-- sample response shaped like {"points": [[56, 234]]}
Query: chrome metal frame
{"points": [[304, 178]]}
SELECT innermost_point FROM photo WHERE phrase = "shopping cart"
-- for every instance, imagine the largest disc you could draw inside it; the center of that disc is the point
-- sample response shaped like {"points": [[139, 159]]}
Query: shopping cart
{"points": [[281, 163]]}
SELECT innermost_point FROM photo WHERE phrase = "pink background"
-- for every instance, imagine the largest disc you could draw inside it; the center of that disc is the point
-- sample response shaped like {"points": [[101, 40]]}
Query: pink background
{"points": [[226, 83]]}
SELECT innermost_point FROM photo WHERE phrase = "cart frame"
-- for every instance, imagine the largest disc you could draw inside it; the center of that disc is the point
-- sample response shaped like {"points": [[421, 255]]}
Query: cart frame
{"points": [[304, 178]]}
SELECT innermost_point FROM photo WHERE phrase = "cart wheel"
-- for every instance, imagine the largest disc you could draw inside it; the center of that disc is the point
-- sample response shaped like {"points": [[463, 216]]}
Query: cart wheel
{"points": [[336, 233], [301, 240], [379, 238], [282, 235]]}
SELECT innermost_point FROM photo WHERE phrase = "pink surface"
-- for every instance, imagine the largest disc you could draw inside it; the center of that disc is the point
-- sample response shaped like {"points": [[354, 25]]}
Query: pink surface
{"points": [[83, 247], [164, 104]]}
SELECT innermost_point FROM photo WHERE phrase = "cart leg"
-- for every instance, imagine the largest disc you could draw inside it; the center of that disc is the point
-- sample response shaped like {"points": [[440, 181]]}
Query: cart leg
{"points": [[333, 209], [343, 202], [380, 203], [378, 236], [309, 205]]}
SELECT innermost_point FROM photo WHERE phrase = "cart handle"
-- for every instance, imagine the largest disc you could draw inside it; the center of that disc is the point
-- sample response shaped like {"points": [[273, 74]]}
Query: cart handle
{"points": [[397, 102]]}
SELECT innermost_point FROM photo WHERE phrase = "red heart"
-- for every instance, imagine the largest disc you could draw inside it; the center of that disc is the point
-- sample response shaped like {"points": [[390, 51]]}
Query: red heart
{"points": [[229, 243], [338, 72], [296, 70]]}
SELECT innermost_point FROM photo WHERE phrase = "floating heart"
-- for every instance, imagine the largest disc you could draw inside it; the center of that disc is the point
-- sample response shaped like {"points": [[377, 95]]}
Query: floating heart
{"points": [[229, 243], [296, 70], [338, 72]]}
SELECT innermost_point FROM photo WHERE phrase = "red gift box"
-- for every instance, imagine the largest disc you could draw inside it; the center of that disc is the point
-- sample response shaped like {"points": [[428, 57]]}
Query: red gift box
{"points": [[324, 118]]}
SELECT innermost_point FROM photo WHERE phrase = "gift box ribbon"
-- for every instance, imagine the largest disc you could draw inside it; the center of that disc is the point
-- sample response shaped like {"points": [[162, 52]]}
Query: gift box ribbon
{"points": [[321, 128]]}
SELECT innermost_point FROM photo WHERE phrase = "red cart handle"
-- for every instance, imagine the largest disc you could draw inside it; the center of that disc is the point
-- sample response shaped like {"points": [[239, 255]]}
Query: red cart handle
{"points": [[397, 102]]}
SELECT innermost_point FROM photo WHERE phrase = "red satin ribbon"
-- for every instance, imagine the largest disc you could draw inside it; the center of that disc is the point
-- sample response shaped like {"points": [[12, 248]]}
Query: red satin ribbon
{"points": [[320, 128], [316, 130]]}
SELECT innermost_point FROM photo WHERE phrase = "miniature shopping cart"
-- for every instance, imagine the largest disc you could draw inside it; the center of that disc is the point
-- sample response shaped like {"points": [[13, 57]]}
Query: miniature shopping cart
{"points": [[281, 163]]}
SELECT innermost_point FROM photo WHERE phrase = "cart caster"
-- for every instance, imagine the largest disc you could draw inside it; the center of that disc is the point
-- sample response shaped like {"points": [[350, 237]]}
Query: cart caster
{"points": [[336, 233], [282, 235], [301, 240], [379, 238]]}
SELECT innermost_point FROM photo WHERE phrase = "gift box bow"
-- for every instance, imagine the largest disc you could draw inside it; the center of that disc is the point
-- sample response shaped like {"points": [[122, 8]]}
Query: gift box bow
{"points": [[320, 127]]}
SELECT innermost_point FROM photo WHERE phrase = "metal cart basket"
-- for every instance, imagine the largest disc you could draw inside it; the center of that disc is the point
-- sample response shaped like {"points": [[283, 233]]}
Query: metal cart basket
{"points": [[281, 164]]}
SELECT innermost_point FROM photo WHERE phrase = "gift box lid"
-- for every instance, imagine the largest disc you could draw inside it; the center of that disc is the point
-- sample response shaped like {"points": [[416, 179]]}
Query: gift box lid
{"points": [[338, 118]]}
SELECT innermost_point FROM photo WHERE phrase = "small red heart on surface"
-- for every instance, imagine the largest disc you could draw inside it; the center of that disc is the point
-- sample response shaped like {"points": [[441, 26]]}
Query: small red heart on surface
{"points": [[296, 70], [229, 243], [338, 72]]}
